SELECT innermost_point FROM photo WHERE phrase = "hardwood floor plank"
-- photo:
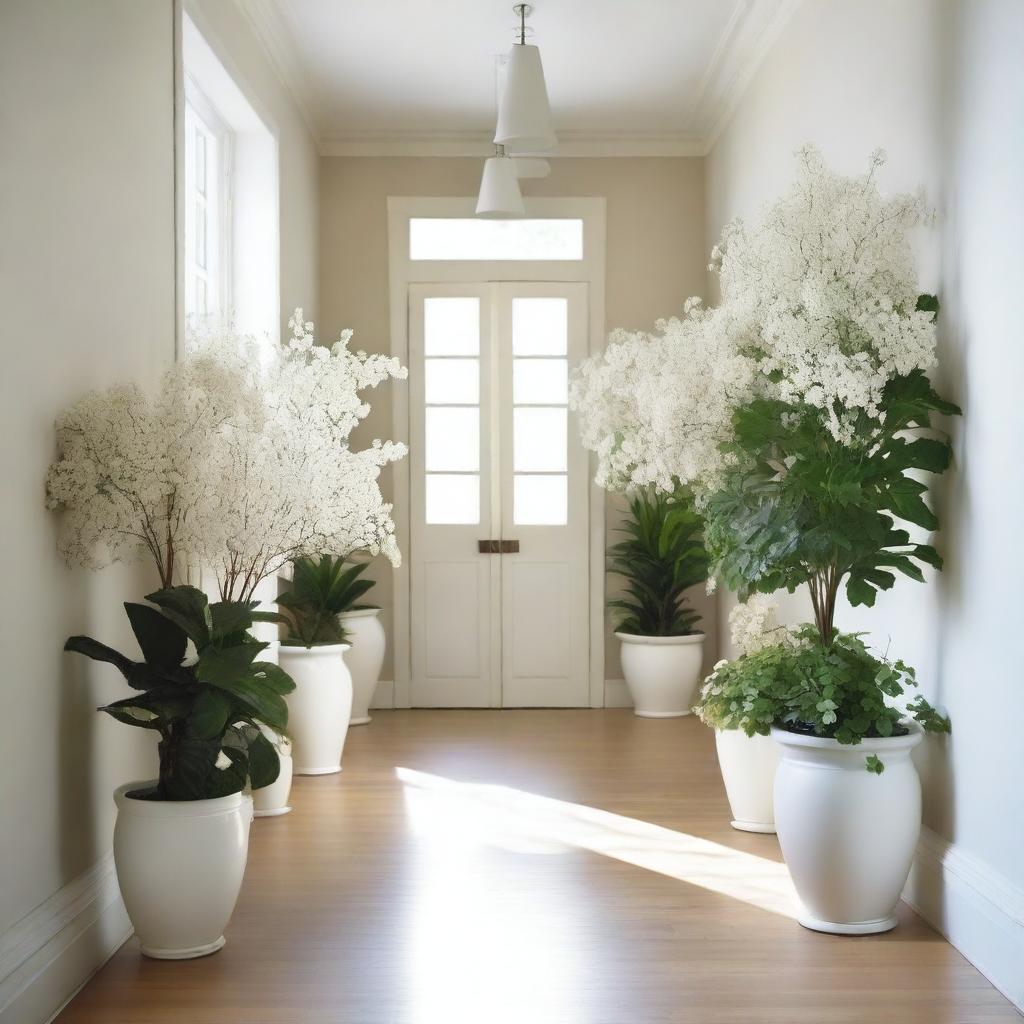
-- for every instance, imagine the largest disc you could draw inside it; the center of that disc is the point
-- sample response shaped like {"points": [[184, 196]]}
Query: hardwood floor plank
{"points": [[535, 867]]}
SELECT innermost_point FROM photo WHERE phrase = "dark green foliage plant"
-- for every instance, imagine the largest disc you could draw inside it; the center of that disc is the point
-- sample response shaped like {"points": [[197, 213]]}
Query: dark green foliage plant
{"points": [[319, 592], [841, 691], [801, 507], [209, 712], [662, 557]]}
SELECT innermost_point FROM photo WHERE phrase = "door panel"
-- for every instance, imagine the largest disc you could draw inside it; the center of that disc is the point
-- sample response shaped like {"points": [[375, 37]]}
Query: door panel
{"points": [[499, 490]]}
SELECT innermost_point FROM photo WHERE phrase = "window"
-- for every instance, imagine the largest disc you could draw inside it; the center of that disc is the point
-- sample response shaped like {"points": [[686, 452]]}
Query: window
{"points": [[207, 262], [468, 238]]}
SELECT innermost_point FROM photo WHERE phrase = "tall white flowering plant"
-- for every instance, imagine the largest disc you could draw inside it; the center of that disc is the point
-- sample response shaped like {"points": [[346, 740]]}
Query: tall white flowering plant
{"points": [[228, 466]]}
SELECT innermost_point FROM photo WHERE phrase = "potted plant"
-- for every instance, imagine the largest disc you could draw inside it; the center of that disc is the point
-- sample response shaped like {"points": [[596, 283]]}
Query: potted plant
{"points": [[313, 654], [660, 559], [826, 459], [748, 759], [180, 841], [363, 628]]}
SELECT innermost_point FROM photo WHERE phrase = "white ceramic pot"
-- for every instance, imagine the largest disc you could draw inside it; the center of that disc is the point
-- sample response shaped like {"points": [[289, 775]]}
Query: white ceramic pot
{"points": [[748, 766], [272, 801], [662, 672], [180, 865], [366, 635], [318, 707], [848, 835]]}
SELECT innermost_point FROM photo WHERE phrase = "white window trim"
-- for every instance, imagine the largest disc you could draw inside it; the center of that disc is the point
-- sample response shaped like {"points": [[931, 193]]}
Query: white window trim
{"points": [[224, 199], [402, 272]]}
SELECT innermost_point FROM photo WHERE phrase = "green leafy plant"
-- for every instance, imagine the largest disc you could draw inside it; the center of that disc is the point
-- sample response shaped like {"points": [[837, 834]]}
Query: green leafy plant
{"points": [[841, 691], [804, 508], [662, 556], [209, 711], [320, 591]]}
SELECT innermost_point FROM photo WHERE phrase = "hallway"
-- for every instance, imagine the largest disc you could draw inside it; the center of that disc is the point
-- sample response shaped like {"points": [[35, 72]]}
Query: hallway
{"points": [[571, 867]]}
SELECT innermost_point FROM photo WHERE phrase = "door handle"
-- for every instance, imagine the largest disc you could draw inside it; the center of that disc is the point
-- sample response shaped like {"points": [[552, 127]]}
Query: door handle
{"points": [[498, 547]]}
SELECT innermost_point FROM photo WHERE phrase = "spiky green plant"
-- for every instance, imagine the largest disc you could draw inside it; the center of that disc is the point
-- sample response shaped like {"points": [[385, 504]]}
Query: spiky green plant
{"points": [[319, 592], [660, 559]]}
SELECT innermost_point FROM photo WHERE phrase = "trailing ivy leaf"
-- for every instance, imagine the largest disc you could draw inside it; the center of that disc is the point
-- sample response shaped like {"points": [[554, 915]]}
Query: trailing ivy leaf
{"points": [[874, 765]]}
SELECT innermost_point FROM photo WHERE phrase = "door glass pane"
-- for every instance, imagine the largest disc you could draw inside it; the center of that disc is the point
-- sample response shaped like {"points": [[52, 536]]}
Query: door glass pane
{"points": [[540, 381], [540, 500], [540, 327], [451, 381], [539, 440], [453, 499], [452, 438], [471, 238], [451, 326]]}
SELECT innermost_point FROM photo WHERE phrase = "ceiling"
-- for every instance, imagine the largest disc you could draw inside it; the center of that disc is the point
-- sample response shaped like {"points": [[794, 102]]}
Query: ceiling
{"points": [[637, 77]]}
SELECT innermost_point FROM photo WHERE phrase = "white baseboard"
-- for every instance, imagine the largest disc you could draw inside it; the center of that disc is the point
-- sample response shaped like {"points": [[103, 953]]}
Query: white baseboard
{"points": [[384, 695], [978, 910], [51, 952], [616, 694]]}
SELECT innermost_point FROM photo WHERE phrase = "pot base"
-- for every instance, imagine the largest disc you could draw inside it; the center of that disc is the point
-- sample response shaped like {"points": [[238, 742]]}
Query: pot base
{"points": [[273, 812], [881, 924], [361, 721], [183, 954], [318, 771], [753, 826], [661, 714]]}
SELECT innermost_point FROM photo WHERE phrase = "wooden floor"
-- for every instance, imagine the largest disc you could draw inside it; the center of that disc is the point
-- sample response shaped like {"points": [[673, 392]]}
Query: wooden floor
{"points": [[530, 867]]}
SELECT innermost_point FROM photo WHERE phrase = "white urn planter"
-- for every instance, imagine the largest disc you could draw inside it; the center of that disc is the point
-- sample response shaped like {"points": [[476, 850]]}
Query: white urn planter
{"points": [[748, 766], [319, 707], [662, 672], [272, 801], [848, 835], [180, 865], [366, 634]]}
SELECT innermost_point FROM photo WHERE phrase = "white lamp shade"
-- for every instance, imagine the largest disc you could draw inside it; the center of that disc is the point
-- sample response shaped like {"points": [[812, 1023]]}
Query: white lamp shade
{"points": [[524, 115], [499, 190]]}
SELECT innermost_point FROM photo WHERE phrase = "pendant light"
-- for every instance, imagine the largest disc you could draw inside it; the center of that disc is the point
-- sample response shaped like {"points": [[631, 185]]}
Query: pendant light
{"points": [[524, 115], [499, 188]]}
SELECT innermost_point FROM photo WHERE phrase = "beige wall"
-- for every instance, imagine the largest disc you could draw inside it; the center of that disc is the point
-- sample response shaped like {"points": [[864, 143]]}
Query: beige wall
{"points": [[655, 260], [938, 84]]}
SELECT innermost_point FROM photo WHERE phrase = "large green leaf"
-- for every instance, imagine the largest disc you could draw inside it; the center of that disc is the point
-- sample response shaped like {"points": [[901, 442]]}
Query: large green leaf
{"points": [[162, 641], [228, 618], [100, 652], [227, 665], [189, 608], [264, 763], [209, 714]]}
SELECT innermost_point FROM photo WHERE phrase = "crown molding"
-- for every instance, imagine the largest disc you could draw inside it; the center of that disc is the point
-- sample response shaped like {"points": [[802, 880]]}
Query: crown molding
{"points": [[267, 19], [480, 144], [750, 34]]}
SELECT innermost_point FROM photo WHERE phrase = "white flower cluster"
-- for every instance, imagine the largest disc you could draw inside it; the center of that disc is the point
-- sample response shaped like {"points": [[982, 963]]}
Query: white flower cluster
{"points": [[228, 465], [656, 407], [753, 625], [818, 307], [826, 284]]}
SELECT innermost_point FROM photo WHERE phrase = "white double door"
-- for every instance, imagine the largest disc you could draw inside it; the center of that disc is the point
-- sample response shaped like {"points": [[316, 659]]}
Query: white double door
{"points": [[499, 524]]}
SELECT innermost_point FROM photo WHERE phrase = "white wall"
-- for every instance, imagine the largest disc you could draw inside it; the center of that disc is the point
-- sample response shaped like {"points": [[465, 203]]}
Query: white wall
{"points": [[87, 285], [939, 85], [87, 289]]}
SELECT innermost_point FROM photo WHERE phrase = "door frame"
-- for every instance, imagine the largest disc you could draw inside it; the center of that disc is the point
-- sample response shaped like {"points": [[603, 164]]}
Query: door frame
{"points": [[402, 272]]}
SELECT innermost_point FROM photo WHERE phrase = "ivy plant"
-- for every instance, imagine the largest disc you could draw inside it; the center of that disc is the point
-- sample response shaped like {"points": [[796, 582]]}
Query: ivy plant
{"points": [[208, 707], [661, 558], [319, 592], [842, 691]]}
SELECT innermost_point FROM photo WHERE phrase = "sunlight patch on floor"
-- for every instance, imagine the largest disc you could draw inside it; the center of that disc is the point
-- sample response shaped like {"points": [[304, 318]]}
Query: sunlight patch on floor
{"points": [[454, 817]]}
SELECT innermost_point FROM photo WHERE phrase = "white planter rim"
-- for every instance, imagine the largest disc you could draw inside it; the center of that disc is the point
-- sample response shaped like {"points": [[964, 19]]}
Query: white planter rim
{"points": [[173, 808], [870, 744], [298, 648], [360, 613], [660, 641]]}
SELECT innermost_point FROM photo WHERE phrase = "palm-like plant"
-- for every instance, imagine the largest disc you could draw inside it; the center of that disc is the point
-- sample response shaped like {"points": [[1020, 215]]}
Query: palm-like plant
{"points": [[209, 712], [661, 558], [320, 591]]}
